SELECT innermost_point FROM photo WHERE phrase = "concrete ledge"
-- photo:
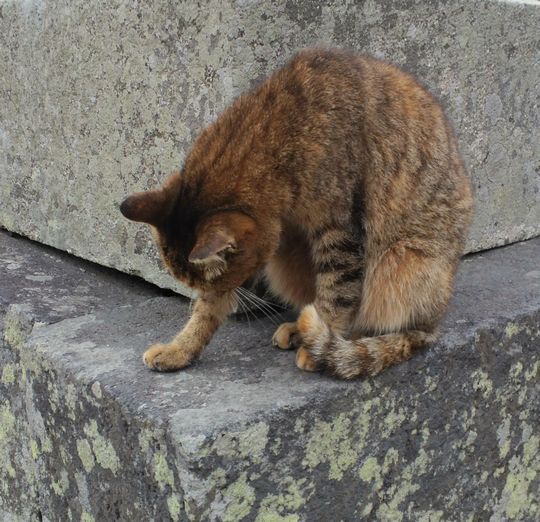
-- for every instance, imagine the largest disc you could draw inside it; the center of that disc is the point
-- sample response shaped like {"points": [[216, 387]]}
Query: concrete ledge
{"points": [[87, 433], [100, 101]]}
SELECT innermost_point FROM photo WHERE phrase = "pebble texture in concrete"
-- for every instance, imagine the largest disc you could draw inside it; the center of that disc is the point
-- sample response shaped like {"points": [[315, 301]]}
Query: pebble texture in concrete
{"points": [[101, 101], [87, 433]]}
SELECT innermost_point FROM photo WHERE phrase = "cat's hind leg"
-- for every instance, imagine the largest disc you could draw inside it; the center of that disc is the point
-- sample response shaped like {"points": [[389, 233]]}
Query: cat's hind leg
{"points": [[287, 337], [404, 296], [339, 266], [304, 361], [405, 289]]}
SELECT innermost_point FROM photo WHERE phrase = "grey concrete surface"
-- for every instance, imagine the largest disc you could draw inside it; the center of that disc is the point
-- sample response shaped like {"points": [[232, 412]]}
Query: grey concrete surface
{"points": [[88, 433], [99, 101], [52, 285]]}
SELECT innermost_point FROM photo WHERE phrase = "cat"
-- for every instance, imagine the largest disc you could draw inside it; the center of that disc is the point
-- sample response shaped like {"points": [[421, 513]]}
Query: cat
{"points": [[339, 178]]}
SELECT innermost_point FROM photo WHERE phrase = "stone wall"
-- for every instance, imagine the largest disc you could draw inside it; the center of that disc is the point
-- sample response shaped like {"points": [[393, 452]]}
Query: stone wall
{"points": [[101, 100]]}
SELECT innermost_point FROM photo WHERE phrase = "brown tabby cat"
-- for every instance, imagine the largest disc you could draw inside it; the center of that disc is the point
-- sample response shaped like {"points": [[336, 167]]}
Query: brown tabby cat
{"points": [[340, 178]]}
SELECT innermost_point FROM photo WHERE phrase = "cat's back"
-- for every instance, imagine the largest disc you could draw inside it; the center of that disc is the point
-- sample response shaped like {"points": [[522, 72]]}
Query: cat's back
{"points": [[385, 111], [382, 135], [342, 79]]}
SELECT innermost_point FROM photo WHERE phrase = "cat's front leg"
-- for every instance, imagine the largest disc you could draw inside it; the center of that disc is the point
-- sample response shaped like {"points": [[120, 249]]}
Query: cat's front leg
{"points": [[286, 336], [209, 311]]}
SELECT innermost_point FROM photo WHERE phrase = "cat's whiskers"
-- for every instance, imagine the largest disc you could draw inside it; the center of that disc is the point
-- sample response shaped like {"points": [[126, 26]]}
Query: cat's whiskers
{"points": [[242, 308], [245, 308], [265, 308], [268, 303], [271, 307]]}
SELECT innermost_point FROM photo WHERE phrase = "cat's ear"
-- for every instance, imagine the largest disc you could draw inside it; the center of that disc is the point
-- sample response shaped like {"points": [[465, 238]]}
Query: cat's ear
{"points": [[221, 233], [211, 245], [150, 207]]}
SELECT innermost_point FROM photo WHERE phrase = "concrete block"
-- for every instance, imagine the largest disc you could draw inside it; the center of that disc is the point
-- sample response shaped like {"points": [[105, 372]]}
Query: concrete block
{"points": [[88, 433], [100, 101], [52, 285]]}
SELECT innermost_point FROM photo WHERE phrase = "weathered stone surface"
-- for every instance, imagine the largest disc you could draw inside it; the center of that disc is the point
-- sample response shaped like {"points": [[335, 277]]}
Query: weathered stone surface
{"points": [[101, 101], [52, 285], [48, 286], [87, 433]]}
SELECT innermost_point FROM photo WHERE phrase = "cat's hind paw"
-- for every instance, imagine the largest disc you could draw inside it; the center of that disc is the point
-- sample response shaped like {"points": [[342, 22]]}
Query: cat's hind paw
{"points": [[166, 358], [304, 361]]}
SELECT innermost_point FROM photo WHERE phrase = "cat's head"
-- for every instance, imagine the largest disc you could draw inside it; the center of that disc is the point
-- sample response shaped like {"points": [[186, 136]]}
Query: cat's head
{"points": [[204, 246]]}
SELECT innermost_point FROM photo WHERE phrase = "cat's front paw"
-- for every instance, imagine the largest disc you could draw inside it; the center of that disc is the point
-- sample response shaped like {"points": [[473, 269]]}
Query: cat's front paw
{"points": [[286, 336], [166, 358]]}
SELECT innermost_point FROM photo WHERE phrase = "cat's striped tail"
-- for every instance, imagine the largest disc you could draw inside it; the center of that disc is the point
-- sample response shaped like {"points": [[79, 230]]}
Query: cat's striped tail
{"points": [[351, 358]]}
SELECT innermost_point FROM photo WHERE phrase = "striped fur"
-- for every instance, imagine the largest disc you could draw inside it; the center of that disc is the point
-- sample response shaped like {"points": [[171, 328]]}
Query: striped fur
{"points": [[350, 358], [339, 179]]}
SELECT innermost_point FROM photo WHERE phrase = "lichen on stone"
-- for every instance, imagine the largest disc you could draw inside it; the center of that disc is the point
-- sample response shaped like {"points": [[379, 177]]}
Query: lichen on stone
{"points": [[332, 442], [15, 328], [60, 486], [7, 433], [34, 449], [371, 471], [162, 472], [87, 517], [174, 507], [503, 437], [392, 420], [511, 330], [517, 501], [284, 505], [8, 374], [482, 382], [240, 497], [249, 443], [103, 449], [84, 451]]}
